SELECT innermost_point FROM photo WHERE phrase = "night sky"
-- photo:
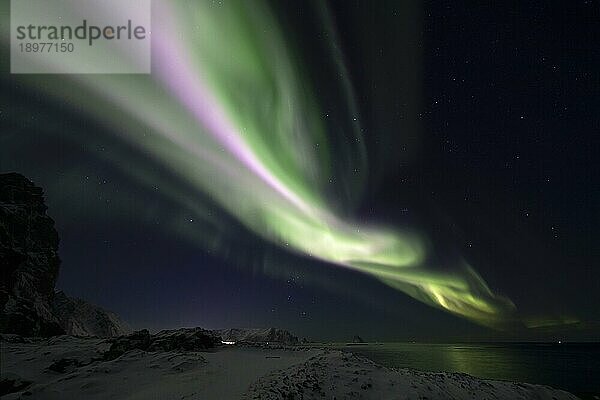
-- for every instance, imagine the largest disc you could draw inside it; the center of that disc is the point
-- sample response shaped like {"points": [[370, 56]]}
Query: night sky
{"points": [[478, 127]]}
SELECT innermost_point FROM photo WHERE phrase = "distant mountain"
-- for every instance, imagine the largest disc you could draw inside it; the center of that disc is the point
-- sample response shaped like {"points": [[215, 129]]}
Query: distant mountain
{"points": [[29, 266], [259, 335]]}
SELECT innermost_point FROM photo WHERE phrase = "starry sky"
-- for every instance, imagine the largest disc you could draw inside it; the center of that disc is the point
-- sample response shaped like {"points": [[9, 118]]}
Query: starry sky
{"points": [[460, 140]]}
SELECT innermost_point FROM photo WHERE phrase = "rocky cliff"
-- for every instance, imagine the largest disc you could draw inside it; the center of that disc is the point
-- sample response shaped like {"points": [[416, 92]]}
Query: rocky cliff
{"points": [[29, 266], [80, 318], [29, 260]]}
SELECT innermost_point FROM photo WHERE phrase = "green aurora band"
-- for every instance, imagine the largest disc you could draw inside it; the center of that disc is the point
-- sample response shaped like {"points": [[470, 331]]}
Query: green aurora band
{"points": [[228, 111]]}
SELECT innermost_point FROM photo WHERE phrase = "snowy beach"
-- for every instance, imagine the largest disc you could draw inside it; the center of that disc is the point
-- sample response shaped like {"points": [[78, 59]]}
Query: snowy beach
{"points": [[67, 367]]}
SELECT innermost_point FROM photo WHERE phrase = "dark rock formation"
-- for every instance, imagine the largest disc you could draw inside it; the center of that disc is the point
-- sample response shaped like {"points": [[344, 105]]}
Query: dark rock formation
{"points": [[270, 335], [29, 266], [28, 259], [11, 383], [188, 339], [184, 339], [80, 318], [65, 365], [357, 339], [136, 340]]}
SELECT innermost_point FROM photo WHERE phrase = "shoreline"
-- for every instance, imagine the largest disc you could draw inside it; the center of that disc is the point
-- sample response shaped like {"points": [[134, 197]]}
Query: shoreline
{"points": [[444, 357], [68, 367]]}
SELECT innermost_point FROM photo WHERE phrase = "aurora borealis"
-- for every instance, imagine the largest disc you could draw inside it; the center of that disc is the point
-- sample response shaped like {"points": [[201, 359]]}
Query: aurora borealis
{"points": [[230, 112]]}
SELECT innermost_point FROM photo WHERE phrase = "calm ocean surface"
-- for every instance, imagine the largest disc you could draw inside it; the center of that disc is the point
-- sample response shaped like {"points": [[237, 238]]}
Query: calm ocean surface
{"points": [[573, 367]]}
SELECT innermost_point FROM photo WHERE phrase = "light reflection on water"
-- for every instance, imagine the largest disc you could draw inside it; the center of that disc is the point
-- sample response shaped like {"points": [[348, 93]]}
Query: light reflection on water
{"points": [[574, 367]]}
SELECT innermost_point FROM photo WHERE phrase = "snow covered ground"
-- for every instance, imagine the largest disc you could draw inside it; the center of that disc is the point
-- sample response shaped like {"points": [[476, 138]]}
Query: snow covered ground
{"points": [[66, 367], [342, 375]]}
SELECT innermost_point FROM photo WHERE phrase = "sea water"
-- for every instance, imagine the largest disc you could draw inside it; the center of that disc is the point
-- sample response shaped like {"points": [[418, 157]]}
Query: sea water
{"points": [[570, 366]]}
